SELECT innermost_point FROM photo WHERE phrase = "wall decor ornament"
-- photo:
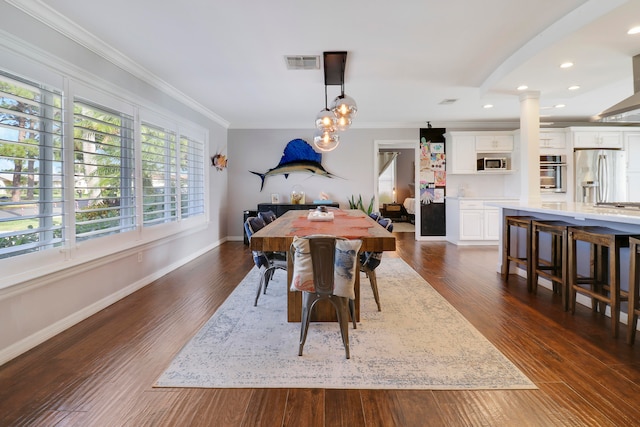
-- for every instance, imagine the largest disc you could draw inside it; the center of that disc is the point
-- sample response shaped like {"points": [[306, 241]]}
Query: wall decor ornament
{"points": [[219, 161], [298, 156]]}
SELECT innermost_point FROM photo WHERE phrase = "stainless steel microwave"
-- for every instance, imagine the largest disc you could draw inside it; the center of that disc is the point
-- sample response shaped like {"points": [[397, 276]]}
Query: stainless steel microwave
{"points": [[492, 163]]}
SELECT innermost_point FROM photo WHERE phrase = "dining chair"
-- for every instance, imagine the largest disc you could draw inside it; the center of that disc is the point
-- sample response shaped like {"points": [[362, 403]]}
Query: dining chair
{"points": [[324, 268], [271, 261], [369, 261], [267, 216], [375, 216]]}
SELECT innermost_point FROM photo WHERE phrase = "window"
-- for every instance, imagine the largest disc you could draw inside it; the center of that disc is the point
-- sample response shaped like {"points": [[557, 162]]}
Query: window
{"points": [[191, 177], [387, 183], [104, 177], [159, 175], [31, 168], [103, 171]]}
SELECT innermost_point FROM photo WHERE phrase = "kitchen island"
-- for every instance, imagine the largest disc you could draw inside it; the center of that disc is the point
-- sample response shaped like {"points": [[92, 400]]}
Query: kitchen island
{"points": [[579, 214], [627, 219]]}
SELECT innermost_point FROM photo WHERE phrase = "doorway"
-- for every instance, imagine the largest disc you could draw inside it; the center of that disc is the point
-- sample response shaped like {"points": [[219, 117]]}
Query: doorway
{"points": [[396, 168]]}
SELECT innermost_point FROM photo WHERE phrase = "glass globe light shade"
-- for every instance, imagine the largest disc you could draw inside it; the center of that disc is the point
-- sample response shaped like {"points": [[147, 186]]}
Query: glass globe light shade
{"points": [[344, 105], [344, 122], [326, 141], [326, 120]]}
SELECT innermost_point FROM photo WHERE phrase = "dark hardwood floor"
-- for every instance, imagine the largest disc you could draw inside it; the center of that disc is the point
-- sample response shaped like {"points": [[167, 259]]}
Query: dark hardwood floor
{"points": [[100, 372]]}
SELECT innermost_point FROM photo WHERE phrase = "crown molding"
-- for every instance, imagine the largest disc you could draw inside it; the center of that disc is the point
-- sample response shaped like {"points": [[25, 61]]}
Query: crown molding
{"points": [[73, 31]]}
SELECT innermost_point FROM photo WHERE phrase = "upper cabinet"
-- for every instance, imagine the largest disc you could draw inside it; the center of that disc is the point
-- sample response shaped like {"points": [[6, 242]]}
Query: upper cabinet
{"points": [[462, 154], [465, 148], [596, 138], [553, 140], [632, 145], [494, 143]]}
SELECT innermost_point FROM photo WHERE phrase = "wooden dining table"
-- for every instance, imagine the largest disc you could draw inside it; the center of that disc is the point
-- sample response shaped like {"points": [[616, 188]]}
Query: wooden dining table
{"points": [[350, 224]]}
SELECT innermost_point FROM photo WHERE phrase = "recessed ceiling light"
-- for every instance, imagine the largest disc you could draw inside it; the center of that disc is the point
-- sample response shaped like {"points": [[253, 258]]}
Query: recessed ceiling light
{"points": [[559, 106], [487, 106], [566, 65], [522, 87], [574, 87], [634, 30]]}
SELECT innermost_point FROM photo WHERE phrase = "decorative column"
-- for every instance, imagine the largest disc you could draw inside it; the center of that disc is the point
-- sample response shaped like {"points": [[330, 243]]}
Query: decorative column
{"points": [[529, 167]]}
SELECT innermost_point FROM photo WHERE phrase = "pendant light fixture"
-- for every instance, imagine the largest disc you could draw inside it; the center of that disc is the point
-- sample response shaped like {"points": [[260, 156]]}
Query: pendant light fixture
{"points": [[344, 108], [326, 120], [340, 116], [326, 140]]}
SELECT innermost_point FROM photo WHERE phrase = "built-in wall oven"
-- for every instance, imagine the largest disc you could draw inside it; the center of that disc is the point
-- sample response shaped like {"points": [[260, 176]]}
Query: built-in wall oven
{"points": [[553, 173]]}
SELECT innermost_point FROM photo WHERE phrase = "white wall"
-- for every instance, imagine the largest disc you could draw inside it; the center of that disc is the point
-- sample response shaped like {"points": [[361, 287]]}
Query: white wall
{"points": [[261, 149], [38, 308]]}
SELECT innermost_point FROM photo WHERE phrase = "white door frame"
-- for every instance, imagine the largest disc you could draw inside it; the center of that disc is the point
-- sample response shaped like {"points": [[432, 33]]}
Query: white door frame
{"points": [[400, 144]]}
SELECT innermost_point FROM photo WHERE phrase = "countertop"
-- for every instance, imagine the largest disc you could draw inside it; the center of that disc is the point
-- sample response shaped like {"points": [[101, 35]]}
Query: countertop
{"points": [[577, 211]]}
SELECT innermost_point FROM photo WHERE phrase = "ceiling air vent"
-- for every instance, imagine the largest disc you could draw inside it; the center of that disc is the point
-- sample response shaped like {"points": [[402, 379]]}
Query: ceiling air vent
{"points": [[302, 62], [447, 101]]}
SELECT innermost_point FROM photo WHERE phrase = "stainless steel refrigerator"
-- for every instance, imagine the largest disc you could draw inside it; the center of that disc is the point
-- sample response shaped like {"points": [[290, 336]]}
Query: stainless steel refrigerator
{"points": [[601, 175]]}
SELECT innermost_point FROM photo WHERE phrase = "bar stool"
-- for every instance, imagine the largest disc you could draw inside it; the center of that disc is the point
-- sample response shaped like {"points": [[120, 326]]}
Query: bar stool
{"points": [[554, 269], [634, 285], [596, 286], [520, 222]]}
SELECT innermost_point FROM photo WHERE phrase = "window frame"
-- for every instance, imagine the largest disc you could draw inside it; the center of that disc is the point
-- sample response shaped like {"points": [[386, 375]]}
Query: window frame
{"points": [[46, 264]]}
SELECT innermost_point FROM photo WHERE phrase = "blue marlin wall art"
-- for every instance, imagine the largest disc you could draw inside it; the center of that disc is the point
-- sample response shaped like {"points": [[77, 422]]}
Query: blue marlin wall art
{"points": [[298, 156]]}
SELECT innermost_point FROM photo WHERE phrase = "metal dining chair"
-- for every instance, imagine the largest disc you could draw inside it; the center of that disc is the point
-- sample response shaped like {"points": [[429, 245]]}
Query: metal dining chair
{"points": [[333, 269]]}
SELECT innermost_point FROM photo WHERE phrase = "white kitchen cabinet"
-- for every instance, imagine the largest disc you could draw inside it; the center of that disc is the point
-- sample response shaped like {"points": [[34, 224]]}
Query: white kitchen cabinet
{"points": [[472, 222], [494, 143], [465, 148], [632, 146], [597, 139], [492, 223], [632, 140], [633, 186], [461, 156], [553, 140]]}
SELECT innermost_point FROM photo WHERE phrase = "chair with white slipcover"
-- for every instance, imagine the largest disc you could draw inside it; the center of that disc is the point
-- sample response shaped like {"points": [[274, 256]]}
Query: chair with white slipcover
{"points": [[324, 268]]}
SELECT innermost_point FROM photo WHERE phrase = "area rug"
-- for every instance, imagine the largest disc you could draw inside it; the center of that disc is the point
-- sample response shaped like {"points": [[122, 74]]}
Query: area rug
{"points": [[403, 227], [417, 341]]}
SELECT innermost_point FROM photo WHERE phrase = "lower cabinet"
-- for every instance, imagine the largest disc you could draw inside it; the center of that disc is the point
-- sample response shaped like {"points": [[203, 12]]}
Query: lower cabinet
{"points": [[473, 222], [492, 223]]}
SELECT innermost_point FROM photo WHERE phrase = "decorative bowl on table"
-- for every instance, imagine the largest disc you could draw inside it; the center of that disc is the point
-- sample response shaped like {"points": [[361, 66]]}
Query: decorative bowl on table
{"points": [[319, 214]]}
